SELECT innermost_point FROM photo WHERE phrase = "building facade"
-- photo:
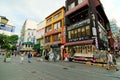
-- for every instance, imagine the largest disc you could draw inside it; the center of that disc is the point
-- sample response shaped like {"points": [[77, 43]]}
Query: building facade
{"points": [[28, 35], [54, 30], [40, 32], [87, 28]]}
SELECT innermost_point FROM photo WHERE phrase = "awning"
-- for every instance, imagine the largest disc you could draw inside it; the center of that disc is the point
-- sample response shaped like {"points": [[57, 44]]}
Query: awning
{"points": [[29, 43], [79, 42]]}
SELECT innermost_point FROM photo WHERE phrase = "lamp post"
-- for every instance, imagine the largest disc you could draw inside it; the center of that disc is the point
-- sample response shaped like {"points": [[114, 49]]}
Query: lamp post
{"points": [[3, 20]]}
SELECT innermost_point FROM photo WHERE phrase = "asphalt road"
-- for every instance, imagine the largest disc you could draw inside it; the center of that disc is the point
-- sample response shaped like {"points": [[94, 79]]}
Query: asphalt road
{"points": [[35, 70]]}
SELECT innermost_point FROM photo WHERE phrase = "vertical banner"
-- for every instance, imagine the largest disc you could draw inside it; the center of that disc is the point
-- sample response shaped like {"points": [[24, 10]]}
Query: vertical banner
{"points": [[96, 42]]}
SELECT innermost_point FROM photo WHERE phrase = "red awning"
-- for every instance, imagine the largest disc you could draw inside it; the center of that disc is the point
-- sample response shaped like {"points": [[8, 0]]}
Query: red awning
{"points": [[79, 42]]}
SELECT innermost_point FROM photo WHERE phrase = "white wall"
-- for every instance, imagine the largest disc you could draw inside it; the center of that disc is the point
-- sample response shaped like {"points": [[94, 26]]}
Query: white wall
{"points": [[40, 29]]}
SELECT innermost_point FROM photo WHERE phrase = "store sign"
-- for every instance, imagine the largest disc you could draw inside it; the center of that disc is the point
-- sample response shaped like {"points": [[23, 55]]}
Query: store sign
{"points": [[94, 31], [87, 21]]}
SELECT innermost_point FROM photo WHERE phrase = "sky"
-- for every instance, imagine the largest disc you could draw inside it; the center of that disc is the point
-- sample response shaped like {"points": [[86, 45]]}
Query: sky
{"points": [[17, 11]]}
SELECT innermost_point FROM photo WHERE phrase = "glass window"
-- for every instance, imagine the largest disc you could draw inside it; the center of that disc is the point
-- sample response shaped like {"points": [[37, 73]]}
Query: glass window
{"points": [[83, 31], [57, 25], [76, 31], [28, 34], [71, 6], [56, 38], [79, 32], [47, 39], [72, 33], [48, 28], [57, 15], [80, 1], [69, 34], [87, 30], [49, 20]]}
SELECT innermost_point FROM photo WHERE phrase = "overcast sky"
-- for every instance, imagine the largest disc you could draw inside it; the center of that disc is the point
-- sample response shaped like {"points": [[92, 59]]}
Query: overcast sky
{"points": [[17, 11]]}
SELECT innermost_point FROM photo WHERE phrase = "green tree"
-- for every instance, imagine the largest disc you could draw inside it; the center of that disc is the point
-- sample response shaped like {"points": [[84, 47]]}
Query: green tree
{"points": [[8, 42]]}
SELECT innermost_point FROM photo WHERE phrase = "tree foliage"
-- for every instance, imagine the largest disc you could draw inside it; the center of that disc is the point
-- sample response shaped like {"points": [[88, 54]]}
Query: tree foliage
{"points": [[8, 42]]}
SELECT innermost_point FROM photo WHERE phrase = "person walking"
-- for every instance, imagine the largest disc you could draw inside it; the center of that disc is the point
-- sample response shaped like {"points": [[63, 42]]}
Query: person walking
{"points": [[29, 57], [55, 56], [22, 57], [111, 61]]}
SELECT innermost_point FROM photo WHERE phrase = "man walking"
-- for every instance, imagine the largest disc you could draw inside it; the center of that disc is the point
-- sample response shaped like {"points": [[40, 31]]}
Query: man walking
{"points": [[110, 61], [29, 57]]}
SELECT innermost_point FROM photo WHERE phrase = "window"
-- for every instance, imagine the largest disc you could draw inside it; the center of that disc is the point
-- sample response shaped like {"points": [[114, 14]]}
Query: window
{"points": [[87, 30], [72, 5], [47, 39], [49, 20], [69, 34], [56, 38], [76, 33], [48, 28], [57, 25], [57, 15], [83, 31], [72, 34], [80, 1], [79, 32], [28, 33]]}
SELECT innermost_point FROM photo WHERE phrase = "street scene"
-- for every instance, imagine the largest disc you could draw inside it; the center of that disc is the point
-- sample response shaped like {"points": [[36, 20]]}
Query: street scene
{"points": [[59, 40], [45, 70]]}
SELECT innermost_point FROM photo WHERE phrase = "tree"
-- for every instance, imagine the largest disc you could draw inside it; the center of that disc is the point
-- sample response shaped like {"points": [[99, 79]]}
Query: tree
{"points": [[8, 42]]}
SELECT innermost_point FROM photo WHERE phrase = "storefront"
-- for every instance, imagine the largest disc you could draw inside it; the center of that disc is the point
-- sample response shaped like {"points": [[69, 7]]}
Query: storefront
{"points": [[80, 49]]}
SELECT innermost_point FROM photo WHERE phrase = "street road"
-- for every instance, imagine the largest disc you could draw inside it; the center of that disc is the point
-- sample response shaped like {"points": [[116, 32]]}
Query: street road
{"points": [[36, 70]]}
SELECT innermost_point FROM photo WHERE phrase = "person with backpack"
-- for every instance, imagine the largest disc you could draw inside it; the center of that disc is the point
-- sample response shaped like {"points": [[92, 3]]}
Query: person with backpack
{"points": [[29, 57]]}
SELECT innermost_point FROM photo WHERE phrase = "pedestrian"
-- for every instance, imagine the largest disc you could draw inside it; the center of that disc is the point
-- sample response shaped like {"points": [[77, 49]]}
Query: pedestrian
{"points": [[29, 57], [55, 56], [22, 57], [111, 62], [51, 55]]}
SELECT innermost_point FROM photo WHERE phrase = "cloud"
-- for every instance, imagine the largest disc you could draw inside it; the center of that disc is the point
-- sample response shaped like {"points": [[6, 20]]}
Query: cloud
{"points": [[17, 11]]}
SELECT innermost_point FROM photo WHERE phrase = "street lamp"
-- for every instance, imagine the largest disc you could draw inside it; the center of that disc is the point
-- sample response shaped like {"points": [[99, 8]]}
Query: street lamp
{"points": [[3, 20]]}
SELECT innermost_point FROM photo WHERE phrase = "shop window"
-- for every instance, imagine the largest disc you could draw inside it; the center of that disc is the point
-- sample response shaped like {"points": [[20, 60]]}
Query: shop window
{"points": [[72, 34], [76, 33], [83, 31], [69, 34], [79, 32], [87, 30]]}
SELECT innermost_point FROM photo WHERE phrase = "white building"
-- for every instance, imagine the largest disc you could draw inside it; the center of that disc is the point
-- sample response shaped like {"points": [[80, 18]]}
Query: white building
{"points": [[28, 35], [40, 32]]}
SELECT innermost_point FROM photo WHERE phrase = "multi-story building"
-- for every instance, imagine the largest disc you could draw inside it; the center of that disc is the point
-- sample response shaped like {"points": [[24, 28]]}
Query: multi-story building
{"points": [[28, 35], [87, 28], [40, 32], [54, 30]]}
